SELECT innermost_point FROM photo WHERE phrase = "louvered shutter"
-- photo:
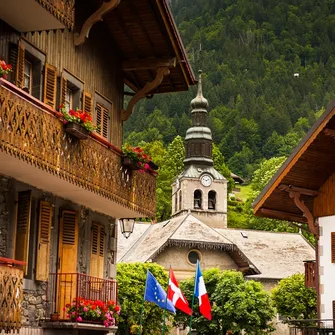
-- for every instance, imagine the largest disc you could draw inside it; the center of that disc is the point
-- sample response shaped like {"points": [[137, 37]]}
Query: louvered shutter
{"points": [[97, 250], [68, 242], [23, 227], [63, 89], [19, 77], [50, 85], [332, 242], [87, 102], [43, 246], [102, 119]]}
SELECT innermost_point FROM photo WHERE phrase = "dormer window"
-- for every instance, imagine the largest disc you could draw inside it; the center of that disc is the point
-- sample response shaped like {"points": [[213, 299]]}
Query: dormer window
{"points": [[212, 200], [197, 199]]}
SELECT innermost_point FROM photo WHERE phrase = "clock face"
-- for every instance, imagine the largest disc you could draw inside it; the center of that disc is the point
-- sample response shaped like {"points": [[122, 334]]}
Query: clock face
{"points": [[206, 180]]}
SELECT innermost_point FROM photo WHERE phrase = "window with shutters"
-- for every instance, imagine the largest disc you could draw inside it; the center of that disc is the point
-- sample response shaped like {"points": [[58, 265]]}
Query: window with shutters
{"points": [[102, 117], [70, 91], [332, 243], [43, 242], [28, 63], [97, 250], [23, 219]]}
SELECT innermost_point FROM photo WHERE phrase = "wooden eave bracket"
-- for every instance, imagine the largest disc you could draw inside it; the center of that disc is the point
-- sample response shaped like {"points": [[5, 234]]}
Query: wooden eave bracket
{"points": [[295, 193], [94, 18], [148, 87]]}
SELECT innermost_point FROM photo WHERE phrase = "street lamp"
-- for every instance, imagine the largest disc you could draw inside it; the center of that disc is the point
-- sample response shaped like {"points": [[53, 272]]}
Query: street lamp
{"points": [[127, 226]]}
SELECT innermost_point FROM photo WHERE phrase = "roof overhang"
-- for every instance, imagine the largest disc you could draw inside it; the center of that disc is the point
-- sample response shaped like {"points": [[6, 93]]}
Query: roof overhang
{"points": [[306, 170], [147, 38]]}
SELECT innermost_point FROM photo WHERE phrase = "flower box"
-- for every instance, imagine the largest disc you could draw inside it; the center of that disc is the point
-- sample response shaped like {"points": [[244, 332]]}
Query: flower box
{"points": [[76, 130], [129, 164]]}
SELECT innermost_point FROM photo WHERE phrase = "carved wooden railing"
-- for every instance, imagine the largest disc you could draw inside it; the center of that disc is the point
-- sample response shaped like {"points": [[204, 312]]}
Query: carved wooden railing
{"points": [[11, 294], [34, 133], [310, 274], [62, 10]]}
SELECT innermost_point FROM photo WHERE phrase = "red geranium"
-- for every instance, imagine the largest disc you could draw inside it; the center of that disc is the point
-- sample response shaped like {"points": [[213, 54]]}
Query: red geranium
{"points": [[78, 116]]}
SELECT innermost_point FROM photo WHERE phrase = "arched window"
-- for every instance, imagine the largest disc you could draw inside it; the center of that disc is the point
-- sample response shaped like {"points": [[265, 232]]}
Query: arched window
{"points": [[197, 199], [211, 200], [180, 200], [176, 202]]}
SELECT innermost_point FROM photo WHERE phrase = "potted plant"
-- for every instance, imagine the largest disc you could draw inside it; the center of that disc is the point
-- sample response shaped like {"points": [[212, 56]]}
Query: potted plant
{"points": [[54, 316], [4, 69], [134, 158], [81, 310], [78, 123]]}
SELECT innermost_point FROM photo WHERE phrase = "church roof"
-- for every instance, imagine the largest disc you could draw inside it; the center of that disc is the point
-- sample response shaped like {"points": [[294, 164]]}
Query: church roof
{"points": [[270, 255], [276, 255], [184, 230], [193, 171]]}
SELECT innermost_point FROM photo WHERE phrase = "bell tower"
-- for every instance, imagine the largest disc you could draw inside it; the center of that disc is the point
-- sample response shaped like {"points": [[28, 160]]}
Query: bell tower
{"points": [[200, 188]]}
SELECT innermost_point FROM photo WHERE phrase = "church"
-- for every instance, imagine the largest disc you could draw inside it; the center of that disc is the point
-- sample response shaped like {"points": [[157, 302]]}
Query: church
{"points": [[197, 229]]}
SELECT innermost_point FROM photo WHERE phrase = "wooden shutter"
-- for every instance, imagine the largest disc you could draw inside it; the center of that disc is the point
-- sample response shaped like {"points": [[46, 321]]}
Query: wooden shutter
{"points": [[102, 117], [44, 236], [68, 242], [23, 227], [332, 243], [87, 102], [19, 78], [50, 85], [63, 88], [97, 250]]}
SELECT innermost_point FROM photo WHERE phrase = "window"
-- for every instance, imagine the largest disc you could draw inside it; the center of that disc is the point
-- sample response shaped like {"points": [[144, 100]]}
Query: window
{"points": [[71, 92], [197, 199], [212, 200], [28, 76], [193, 256], [180, 200], [103, 109], [332, 243], [68, 99], [176, 202], [28, 63]]}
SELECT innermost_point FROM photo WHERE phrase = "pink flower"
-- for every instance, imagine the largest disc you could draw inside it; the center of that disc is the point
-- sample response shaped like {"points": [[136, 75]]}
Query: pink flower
{"points": [[79, 319], [85, 309], [73, 313]]}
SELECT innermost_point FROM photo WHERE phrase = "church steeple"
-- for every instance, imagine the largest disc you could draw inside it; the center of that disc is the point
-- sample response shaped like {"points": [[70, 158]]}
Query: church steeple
{"points": [[198, 140]]}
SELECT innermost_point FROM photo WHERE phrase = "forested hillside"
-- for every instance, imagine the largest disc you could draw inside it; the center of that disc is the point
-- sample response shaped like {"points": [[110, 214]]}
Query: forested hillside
{"points": [[268, 72]]}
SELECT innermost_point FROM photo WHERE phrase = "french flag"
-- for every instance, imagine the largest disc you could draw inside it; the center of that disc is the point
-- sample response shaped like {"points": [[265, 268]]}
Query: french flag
{"points": [[201, 293]]}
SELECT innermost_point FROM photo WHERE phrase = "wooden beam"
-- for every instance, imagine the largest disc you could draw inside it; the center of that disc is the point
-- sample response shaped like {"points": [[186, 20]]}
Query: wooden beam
{"points": [[283, 215], [94, 18], [148, 64], [304, 191], [148, 87]]}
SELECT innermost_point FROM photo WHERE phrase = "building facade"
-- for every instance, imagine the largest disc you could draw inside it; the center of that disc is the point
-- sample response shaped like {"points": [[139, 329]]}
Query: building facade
{"points": [[61, 195]]}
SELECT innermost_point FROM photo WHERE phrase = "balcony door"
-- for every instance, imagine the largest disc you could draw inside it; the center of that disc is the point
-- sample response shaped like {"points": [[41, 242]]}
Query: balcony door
{"points": [[67, 260]]}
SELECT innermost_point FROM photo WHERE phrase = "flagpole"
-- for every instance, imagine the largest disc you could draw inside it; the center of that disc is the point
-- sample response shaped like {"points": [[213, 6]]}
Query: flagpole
{"points": [[195, 285], [142, 308], [166, 302]]}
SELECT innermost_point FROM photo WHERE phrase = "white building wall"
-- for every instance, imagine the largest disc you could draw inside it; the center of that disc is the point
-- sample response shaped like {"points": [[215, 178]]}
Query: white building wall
{"points": [[326, 267]]}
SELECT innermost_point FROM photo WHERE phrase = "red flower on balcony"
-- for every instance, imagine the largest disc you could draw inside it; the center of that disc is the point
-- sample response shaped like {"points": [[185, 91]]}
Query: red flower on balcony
{"points": [[82, 310], [78, 116], [4, 69], [137, 156]]}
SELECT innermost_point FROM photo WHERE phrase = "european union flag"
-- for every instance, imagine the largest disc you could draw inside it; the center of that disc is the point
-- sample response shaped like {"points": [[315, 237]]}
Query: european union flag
{"points": [[155, 293]]}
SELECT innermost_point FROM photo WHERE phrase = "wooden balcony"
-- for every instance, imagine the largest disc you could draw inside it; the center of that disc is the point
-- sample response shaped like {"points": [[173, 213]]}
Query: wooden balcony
{"points": [[35, 149], [38, 15], [310, 274], [11, 294]]}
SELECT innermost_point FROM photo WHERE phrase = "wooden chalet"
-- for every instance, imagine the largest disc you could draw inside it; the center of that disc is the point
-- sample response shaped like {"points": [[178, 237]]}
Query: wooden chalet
{"points": [[61, 196], [303, 191]]}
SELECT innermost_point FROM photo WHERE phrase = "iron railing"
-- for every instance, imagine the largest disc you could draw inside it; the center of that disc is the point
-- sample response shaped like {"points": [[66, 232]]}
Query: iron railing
{"points": [[11, 294], [67, 288], [312, 327]]}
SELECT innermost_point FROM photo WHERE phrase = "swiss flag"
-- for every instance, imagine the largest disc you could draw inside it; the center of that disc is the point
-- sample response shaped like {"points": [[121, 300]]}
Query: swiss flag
{"points": [[176, 296], [201, 293]]}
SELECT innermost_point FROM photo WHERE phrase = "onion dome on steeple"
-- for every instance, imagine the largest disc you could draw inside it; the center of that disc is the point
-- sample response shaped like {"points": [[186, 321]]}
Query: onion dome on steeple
{"points": [[198, 140]]}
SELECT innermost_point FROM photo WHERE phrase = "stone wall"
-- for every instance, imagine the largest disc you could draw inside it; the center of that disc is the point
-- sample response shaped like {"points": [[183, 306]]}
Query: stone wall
{"points": [[34, 305]]}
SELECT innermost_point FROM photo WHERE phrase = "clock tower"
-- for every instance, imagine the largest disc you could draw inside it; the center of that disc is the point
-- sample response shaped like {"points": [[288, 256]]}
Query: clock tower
{"points": [[200, 188]]}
